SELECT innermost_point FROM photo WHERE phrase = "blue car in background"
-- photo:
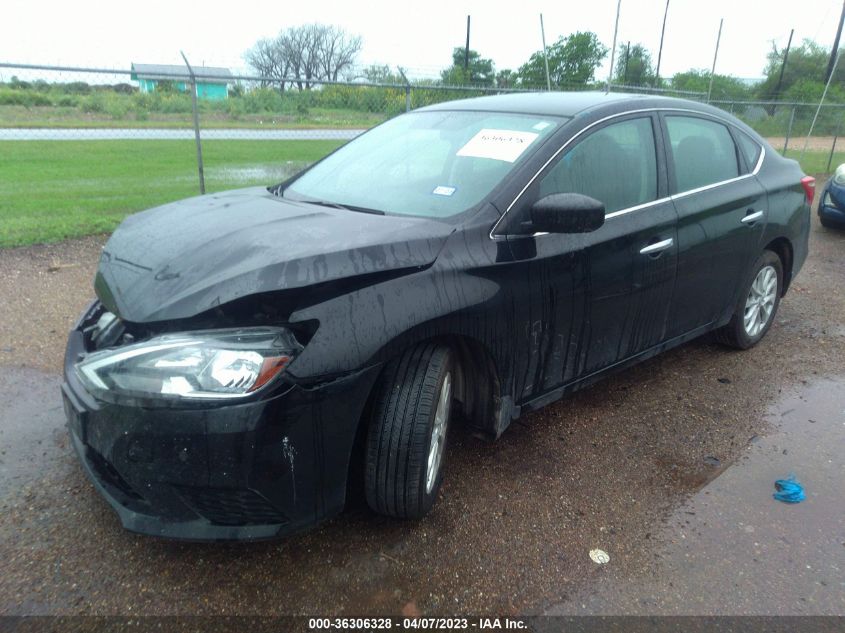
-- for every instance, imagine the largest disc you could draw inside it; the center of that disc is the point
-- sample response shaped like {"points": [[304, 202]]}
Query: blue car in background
{"points": [[832, 203]]}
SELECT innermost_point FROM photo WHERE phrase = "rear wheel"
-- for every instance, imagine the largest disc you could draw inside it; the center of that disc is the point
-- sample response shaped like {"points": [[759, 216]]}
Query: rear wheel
{"points": [[757, 305], [407, 432]]}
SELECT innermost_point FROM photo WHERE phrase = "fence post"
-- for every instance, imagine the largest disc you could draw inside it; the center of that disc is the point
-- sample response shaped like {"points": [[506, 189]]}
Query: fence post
{"points": [[833, 147], [196, 122], [789, 130], [407, 88]]}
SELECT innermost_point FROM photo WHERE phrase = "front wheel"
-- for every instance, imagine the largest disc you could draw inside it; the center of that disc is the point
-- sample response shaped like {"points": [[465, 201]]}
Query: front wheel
{"points": [[407, 432], [757, 306]]}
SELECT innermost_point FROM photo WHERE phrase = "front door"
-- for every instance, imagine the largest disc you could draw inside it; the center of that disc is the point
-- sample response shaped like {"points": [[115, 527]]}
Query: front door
{"points": [[597, 298]]}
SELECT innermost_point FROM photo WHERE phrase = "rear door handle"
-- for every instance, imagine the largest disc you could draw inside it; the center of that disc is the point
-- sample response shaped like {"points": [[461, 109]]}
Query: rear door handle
{"points": [[657, 247], [752, 217]]}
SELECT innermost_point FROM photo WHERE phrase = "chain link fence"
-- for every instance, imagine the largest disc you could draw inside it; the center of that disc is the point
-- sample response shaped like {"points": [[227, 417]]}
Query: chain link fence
{"points": [[146, 153]]}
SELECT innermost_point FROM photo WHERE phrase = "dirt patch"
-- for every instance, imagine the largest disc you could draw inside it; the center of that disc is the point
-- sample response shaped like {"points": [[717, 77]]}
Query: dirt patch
{"points": [[44, 289], [815, 144]]}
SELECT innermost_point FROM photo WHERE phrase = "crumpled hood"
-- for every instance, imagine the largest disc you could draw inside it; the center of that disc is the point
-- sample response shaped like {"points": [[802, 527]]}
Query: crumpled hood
{"points": [[181, 259]]}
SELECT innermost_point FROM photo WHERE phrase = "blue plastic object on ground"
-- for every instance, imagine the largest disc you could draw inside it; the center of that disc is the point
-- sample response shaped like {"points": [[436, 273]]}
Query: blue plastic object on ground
{"points": [[789, 490]]}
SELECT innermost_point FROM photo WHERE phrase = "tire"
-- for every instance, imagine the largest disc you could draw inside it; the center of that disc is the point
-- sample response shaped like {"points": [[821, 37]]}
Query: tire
{"points": [[744, 334], [407, 418]]}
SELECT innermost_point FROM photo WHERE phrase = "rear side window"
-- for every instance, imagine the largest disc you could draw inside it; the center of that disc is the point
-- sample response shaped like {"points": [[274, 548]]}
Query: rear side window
{"points": [[616, 165], [703, 152], [750, 150]]}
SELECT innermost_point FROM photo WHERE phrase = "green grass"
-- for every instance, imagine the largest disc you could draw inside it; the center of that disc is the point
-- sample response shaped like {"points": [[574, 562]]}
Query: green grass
{"points": [[815, 162], [53, 190], [15, 116]]}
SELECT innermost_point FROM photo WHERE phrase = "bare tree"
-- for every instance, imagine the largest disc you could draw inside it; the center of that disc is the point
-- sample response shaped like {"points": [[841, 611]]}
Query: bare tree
{"points": [[337, 51], [268, 60], [303, 54]]}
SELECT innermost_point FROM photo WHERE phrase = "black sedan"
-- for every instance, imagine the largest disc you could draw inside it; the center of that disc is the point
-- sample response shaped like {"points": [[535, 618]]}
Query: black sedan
{"points": [[254, 355]]}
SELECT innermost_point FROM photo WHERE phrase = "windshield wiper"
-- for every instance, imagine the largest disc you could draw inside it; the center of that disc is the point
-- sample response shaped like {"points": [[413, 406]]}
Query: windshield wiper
{"points": [[345, 207]]}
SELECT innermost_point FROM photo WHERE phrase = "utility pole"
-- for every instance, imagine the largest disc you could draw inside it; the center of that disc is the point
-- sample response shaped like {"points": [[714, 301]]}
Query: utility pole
{"points": [[613, 50], [627, 57], [660, 50], [545, 54], [783, 65], [834, 52], [466, 52], [715, 56]]}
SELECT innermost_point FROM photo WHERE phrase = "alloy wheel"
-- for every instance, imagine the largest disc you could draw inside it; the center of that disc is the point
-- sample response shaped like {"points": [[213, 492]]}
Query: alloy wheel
{"points": [[760, 303], [438, 433]]}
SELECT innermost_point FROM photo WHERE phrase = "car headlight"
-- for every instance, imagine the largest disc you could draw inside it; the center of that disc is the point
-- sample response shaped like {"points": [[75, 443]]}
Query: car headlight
{"points": [[191, 365], [839, 176]]}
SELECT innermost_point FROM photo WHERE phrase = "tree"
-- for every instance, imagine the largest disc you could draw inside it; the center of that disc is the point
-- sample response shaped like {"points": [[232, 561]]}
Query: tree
{"points": [[506, 79], [479, 71], [304, 54], [268, 59], [810, 91], [573, 60], [633, 67], [725, 87], [336, 50], [806, 63], [377, 74]]}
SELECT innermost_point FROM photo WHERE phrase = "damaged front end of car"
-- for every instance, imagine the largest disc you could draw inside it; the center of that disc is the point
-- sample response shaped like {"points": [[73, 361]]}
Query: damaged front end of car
{"points": [[190, 394], [199, 433]]}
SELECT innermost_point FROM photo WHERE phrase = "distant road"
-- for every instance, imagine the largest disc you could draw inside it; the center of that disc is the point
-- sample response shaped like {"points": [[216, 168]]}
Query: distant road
{"points": [[107, 134]]}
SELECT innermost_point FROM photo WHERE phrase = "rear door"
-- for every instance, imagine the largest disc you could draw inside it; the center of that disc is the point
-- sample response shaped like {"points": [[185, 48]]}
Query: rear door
{"points": [[721, 211]]}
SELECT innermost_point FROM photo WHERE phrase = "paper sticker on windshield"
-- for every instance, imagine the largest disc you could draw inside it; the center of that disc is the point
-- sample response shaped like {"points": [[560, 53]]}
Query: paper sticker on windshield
{"points": [[442, 190], [542, 125], [506, 145]]}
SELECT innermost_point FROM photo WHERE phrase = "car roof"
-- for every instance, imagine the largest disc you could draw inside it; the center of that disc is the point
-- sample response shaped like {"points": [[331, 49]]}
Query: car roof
{"points": [[566, 104]]}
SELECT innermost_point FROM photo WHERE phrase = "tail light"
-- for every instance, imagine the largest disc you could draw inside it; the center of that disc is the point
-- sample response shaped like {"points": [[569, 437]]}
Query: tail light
{"points": [[809, 184]]}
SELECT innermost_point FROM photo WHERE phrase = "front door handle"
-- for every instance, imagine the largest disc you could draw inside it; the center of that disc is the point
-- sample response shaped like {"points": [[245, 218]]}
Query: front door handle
{"points": [[657, 247], [752, 217]]}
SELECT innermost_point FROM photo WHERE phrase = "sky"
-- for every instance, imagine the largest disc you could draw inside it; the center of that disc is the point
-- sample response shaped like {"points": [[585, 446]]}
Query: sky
{"points": [[418, 36]]}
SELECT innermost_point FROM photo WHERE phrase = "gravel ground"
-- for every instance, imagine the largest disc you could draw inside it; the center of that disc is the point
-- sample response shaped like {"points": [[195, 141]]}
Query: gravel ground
{"points": [[511, 532], [44, 289]]}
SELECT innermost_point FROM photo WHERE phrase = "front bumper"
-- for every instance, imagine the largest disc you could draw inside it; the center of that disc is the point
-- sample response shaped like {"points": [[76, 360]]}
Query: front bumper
{"points": [[246, 471]]}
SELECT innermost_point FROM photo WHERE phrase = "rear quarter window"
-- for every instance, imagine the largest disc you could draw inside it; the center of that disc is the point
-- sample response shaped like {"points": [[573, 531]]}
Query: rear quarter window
{"points": [[750, 150]]}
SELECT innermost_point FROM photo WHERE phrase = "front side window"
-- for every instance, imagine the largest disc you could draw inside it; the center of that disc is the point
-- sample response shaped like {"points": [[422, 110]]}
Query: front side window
{"points": [[703, 152], [432, 164], [616, 164]]}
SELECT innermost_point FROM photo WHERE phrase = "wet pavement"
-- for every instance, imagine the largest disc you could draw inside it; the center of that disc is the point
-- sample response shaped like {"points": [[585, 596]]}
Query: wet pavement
{"points": [[668, 467], [732, 549]]}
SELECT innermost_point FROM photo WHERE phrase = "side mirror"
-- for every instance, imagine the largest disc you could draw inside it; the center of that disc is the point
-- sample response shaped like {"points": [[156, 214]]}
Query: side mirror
{"points": [[567, 213]]}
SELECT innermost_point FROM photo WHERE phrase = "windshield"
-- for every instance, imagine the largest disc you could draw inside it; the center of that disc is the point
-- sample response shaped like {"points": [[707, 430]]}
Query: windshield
{"points": [[431, 164]]}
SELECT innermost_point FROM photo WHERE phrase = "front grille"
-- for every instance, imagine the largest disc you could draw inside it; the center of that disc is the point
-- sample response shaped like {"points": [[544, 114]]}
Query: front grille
{"points": [[231, 507], [110, 476]]}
